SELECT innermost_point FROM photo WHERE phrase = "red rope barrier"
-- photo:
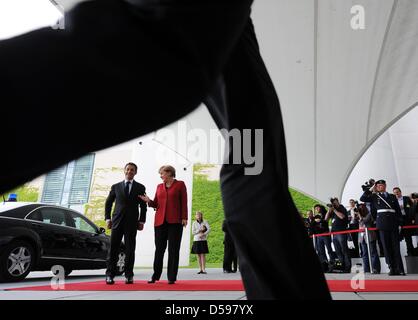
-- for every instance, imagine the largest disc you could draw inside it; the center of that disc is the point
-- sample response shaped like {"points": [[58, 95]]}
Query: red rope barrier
{"points": [[356, 230]]}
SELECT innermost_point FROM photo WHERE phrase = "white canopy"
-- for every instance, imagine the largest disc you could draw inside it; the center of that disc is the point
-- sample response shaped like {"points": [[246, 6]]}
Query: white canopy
{"points": [[340, 88]]}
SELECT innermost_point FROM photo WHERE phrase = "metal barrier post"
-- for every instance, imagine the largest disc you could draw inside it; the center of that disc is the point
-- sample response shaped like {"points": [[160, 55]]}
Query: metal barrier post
{"points": [[368, 250], [314, 242]]}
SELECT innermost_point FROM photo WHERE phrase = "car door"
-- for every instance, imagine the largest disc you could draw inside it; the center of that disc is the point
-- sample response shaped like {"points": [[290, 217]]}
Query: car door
{"points": [[91, 243], [58, 239]]}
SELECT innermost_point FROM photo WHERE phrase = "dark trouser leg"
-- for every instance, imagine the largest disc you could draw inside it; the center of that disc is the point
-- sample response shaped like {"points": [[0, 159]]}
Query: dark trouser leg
{"points": [[386, 239], [365, 256], [276, 257], [321, 250], [331, 253], [380, 245], [397, 259], [347, 259], [338, 249], [227, 263], [354, 253], [343, 254], [408, 241], [161, 237], [274, 250], [130, 245], [175, 232], [115, 240], [375, 256]]}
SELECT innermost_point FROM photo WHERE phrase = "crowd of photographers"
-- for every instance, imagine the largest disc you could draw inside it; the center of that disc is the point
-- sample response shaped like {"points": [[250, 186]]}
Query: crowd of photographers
{"points": [[387, 212]]}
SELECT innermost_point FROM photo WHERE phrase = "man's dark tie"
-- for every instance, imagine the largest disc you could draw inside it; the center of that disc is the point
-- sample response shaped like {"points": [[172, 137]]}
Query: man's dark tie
{"points": [[127, 188]]}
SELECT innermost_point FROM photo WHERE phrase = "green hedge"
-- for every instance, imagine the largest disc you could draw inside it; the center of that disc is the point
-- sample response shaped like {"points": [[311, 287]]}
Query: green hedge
{"points": [[207, 199]]}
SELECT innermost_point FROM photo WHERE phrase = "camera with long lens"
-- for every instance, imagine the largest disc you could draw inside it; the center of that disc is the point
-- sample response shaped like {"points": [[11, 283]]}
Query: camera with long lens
{"points": [[368, 184]]}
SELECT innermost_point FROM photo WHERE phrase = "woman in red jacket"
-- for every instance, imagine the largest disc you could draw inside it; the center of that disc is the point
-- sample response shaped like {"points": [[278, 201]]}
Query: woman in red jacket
{"points": [[170, 202]]}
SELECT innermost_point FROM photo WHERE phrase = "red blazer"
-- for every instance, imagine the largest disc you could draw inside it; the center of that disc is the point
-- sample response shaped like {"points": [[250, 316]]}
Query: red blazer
{"points": [[171, 203]]}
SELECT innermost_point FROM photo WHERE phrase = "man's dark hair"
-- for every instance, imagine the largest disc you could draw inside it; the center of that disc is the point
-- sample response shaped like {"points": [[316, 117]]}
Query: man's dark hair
{"points": [[334, 199], [397, 188], [132, 164]]}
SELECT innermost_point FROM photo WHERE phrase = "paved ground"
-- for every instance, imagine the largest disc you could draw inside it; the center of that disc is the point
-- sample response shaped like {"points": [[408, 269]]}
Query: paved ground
{"points": [[44, 278]]}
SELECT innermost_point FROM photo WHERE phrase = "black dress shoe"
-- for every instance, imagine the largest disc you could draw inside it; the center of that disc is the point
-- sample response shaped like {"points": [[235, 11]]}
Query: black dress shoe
{"points": [[109, 280], [152, 281], [227, 271], [129, 280], [392, 273], [171, 282]]}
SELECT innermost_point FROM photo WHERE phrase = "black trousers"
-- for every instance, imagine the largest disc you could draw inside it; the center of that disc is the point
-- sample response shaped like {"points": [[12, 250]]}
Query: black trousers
{"points": [[109, 57], [391, 248], [230, 256], [406, 234], [167, 233], [126, 231]]}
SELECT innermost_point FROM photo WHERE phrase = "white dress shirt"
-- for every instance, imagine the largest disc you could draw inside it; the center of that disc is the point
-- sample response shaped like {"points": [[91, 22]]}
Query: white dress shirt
{"points": [[196, 227]]}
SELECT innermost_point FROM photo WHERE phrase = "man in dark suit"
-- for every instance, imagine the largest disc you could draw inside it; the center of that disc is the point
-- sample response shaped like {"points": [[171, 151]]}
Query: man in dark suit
{"points": [[230, 255], [125, 221], [408, 218], [156, 54], [388, 220]]}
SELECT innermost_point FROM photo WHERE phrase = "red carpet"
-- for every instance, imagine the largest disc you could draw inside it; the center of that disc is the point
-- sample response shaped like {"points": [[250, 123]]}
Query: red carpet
{"points": [[373, 286], [181, 285], [227, 285]]}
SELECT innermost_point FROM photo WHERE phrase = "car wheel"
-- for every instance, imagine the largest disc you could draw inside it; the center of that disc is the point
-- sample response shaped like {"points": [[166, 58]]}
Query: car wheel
{"points": [[16, 261], [120, 265]]}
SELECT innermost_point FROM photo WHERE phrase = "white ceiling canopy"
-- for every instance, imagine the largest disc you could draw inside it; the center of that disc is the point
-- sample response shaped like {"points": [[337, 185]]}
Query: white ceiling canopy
{"points": [[340, 88]]}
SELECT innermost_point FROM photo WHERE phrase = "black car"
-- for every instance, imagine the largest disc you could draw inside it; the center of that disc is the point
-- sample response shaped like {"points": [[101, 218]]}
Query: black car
{"points": [[36, 237]]}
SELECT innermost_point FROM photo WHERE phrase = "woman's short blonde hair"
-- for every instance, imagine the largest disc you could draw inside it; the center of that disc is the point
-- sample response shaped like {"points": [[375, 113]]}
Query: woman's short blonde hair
{"points": [[169, 169]]}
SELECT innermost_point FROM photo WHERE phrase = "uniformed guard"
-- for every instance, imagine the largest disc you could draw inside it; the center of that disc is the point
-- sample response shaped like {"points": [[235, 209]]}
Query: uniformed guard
{"points": [[387, 222]]}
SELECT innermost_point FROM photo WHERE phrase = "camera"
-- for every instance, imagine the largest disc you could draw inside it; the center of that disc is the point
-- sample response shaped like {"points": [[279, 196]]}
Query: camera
{"points": [[331, 204], [367, 185]]}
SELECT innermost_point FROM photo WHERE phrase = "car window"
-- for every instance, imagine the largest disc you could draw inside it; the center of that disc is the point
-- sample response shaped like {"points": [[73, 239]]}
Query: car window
{"points": [[35, 215], [53, 216], [79, 222]]}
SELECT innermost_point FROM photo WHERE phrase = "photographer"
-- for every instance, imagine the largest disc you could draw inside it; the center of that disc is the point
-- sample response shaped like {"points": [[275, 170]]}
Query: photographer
{"points": [[353, 218], [310, 223], [388, 220], [323, 241], [366, 221], [339, 217]]}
